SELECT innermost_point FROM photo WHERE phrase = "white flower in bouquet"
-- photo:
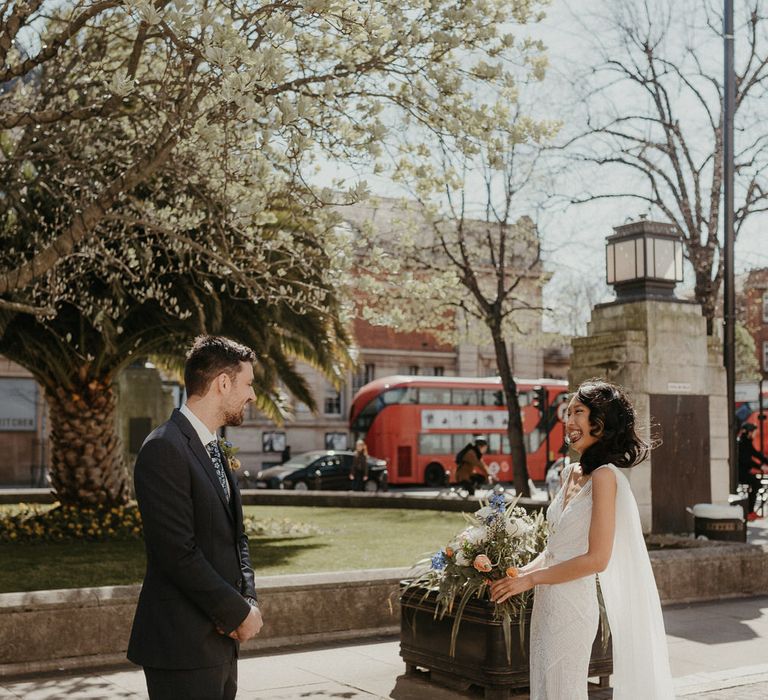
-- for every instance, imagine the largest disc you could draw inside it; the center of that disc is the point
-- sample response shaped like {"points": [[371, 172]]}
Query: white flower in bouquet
{"points": [[517, 527], [484, 513], [462, 559], [476, 535]]}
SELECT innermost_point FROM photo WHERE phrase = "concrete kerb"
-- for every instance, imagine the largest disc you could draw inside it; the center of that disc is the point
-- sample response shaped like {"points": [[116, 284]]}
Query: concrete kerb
{"points": [[328, 499]]}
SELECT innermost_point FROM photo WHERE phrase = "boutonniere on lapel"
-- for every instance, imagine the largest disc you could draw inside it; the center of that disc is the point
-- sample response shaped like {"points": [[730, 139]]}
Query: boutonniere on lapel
{"points": [[229, 452]]}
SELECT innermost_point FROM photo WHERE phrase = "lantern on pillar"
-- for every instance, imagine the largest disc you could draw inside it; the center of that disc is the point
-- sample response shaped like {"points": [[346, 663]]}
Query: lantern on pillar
{"points": [[644, 260]]}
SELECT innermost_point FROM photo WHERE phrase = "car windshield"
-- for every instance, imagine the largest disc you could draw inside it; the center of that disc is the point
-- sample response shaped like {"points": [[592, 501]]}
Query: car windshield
{"points": [[300, 461]]}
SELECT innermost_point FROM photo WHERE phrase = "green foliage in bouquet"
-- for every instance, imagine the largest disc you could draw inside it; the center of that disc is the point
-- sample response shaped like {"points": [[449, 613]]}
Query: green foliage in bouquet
{"points": [[499, 539]]}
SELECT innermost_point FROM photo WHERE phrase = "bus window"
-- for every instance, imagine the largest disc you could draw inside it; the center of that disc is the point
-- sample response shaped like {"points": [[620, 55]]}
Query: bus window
{"points": [[461, 441], [493, 397], [435, 444], [498, 444], [365, 418], [434, 395], [465, 397], [401, 394], [533, 440]]}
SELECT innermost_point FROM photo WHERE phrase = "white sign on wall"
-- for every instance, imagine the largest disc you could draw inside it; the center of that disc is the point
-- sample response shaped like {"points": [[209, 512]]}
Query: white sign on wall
{"points": [[456, 419], [18, 405], [679, 387]]}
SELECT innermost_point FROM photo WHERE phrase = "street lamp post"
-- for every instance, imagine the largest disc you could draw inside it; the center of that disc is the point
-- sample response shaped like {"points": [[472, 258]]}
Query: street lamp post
{"points": [[729, 302]]}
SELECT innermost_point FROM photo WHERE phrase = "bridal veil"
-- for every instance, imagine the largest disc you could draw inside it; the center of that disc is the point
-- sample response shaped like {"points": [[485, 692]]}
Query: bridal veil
{"points": [[640, 658]]}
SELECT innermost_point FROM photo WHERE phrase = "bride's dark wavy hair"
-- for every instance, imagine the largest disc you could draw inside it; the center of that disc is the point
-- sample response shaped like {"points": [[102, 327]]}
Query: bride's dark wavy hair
{"points": [[613, 419]]}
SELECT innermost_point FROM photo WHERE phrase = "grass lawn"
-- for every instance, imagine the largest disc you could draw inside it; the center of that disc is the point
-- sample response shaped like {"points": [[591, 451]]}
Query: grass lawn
{"points": [[350, 538]]}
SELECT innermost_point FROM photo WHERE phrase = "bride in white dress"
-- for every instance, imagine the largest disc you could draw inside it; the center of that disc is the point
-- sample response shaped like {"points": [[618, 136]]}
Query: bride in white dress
{"points": [[594, 528]]}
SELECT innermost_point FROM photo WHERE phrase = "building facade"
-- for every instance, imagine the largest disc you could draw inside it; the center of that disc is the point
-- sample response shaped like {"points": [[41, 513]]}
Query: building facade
{"points": [[383, 352], [754, 313], [23, 428]]}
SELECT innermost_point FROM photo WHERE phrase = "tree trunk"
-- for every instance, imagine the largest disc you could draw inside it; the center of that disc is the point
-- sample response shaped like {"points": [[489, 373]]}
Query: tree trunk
{"points": [[86, 456], [515, 425], [705, 290]]}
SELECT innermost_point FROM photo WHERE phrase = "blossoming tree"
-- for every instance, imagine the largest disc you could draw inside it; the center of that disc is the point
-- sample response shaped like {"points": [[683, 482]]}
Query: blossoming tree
{"points": [[146, 148]]}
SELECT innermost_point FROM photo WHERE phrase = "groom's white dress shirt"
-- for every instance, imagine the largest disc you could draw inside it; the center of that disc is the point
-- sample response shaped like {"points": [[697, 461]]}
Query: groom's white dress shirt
{"points": [[201, 428]]}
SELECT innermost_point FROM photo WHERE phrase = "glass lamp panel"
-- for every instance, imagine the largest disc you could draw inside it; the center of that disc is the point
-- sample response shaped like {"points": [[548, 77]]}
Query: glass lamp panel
{"points": [[640, 258], [625, 260], [664, 258], [610, 271], [678, 261], [650, 270]]}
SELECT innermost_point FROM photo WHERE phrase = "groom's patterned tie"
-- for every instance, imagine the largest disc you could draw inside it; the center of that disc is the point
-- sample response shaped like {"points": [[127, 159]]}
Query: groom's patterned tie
{"points": [[213, 451]]}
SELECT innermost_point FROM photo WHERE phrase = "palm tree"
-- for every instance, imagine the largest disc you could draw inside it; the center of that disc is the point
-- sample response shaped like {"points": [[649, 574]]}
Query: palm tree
{"points": [[109, 319]]}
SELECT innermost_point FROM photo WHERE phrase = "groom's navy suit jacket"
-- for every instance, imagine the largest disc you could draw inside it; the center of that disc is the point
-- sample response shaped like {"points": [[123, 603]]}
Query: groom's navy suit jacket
{"points": [[198, 566]]}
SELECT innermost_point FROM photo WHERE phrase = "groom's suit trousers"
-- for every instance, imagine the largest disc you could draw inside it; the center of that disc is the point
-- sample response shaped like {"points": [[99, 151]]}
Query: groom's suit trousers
{"points": [[219, 682]]}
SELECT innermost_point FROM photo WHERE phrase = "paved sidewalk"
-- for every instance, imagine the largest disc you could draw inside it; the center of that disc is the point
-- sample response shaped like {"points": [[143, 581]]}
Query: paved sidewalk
{"points": [[718, 651]]}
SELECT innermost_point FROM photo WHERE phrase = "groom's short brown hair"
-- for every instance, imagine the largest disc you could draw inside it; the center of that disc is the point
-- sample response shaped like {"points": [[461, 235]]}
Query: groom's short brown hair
{"points": [[209, 356]]}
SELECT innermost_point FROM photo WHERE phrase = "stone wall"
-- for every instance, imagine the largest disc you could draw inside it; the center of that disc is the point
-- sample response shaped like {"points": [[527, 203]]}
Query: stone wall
{"points": [[142, 396], [328, 499], [89, 627]]}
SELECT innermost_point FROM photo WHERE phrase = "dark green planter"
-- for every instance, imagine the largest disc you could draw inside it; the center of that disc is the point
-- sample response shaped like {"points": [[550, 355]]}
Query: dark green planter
{"points": [[481, 655]]}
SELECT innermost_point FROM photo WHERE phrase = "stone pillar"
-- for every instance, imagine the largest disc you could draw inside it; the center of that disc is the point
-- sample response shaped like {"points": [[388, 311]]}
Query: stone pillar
{"points": [[658, 349]]}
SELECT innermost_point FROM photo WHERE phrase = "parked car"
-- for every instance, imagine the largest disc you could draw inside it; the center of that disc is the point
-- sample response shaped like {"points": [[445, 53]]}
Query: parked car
{"points": [[326, 470]]}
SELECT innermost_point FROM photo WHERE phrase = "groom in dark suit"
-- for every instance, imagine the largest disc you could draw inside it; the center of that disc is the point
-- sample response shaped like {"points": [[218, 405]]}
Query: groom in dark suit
{"points": [[198, 599]]}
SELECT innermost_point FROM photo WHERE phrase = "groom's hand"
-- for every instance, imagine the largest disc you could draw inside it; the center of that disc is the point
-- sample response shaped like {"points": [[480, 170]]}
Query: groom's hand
{"points": [[249, 627]]}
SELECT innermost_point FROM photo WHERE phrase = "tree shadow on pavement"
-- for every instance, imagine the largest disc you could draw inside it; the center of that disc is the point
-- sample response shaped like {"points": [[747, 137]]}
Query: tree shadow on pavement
{"points": [[77, 688], [722, 622]]}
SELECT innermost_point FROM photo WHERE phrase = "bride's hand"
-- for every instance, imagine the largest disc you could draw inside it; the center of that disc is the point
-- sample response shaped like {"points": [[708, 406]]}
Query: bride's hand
{"points": [[506, 587]]}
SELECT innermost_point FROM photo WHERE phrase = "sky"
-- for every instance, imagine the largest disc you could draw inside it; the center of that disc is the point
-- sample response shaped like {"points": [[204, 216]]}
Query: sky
{"points": [[574, 235]]}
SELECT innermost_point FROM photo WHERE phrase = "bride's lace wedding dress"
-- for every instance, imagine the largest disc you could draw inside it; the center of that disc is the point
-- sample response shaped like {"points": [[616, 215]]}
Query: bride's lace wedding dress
{"points": [[565, 615]]}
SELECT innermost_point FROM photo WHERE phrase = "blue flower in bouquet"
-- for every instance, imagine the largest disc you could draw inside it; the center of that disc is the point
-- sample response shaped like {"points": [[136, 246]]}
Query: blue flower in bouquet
{"points": [[438, 561], [498, 502]]}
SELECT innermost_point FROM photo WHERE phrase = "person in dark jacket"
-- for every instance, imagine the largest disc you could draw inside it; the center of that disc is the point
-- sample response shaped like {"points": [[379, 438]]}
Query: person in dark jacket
{"points": [[359, 473], [198, 600], [750, 461], [472, 471]]}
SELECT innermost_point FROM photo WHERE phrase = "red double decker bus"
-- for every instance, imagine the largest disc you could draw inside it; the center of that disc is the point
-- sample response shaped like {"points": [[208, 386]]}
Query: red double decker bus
{"points": [[418, 424]]}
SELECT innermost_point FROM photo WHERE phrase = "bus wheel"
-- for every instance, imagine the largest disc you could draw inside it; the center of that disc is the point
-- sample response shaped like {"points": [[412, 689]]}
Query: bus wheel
{"points": [[434, 475]]}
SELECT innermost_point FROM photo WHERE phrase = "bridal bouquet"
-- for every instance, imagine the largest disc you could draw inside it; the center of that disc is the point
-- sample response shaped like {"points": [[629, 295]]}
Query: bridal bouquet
{"points": [[499, 538]]}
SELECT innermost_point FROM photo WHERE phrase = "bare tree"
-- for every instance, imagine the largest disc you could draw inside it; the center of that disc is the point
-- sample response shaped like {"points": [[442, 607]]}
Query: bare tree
{"points": [[654, 110], [469, 270]]}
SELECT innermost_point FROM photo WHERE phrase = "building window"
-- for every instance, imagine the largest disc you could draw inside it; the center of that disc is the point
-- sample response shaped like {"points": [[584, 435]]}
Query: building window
{"points": [[364, 375], [765, 356], [138, 429], [273, 441], [765, 307], [438, 371], [336, 441], [332, 406]]}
